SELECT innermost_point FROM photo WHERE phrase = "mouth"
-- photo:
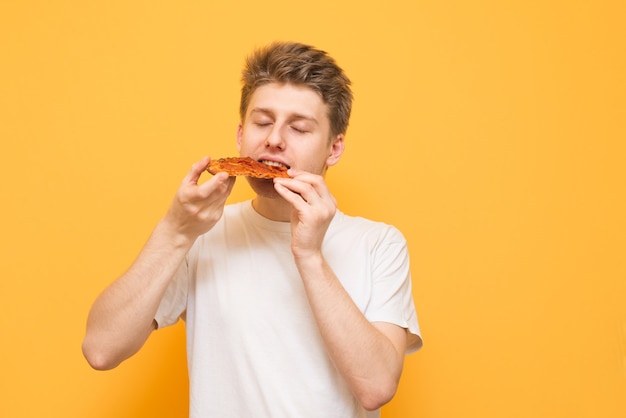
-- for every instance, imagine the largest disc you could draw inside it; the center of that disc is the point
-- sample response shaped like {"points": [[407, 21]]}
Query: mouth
{"points": [[274, 164]]}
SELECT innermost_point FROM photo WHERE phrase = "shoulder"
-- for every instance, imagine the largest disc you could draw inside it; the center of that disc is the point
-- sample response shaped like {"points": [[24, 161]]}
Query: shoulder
{"points": [[366, 228]]}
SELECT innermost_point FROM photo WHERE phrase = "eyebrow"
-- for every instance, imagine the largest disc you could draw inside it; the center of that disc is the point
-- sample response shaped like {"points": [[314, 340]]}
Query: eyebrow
{"points": [[292, 116]]}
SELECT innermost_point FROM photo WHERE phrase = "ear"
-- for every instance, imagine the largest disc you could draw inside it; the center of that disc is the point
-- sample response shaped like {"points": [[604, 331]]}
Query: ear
{"points": [[336, 150], [239, 134]]}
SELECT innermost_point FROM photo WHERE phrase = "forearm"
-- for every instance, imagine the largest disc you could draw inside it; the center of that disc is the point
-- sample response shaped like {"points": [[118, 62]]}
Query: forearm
{"points": [[122, 317], [367, 358]]}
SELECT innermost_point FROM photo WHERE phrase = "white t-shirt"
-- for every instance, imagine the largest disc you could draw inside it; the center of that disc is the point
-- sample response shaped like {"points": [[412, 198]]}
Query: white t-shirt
{"points": [[252, 343]]}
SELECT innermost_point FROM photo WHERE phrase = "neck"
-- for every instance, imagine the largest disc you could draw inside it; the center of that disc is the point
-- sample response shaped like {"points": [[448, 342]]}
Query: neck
{"points": [[275, 209]]}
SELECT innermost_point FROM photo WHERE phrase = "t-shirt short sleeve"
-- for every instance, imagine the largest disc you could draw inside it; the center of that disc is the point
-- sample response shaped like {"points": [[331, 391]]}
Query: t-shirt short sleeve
{"points": [[392, 299]]}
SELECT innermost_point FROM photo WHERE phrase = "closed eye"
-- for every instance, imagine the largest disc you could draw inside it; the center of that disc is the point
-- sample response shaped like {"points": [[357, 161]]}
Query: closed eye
{"points": [[298, 130]]}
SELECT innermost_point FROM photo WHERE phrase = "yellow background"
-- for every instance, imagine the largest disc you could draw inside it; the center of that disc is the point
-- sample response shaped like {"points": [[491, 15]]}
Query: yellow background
{"points": [[490, 132]]}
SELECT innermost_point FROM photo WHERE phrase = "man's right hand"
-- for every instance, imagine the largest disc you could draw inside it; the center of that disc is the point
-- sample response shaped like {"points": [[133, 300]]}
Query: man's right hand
{"points": [[197, 207]]}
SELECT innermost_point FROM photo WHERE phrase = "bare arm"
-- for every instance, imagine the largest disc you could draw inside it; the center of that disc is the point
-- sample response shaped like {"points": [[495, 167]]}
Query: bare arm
{"points": [[369, 356], [122, 317]]}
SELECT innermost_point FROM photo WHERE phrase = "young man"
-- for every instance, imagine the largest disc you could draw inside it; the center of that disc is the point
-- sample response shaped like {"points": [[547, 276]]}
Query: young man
{"points": [[292, 308]]}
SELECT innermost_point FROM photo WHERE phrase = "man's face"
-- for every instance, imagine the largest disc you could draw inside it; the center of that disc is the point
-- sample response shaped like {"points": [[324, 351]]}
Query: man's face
{"points": [[288, 125]]}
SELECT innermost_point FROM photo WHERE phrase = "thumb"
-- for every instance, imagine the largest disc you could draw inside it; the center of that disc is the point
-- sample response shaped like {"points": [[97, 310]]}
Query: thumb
{"points": [[196, 171]]}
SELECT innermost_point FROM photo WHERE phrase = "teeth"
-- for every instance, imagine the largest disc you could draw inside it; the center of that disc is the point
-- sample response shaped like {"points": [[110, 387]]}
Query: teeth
{"points": [[273, 163]]}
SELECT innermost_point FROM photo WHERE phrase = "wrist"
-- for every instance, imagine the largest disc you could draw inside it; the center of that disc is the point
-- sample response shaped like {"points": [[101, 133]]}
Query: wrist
{"points": [[167, 231], [310, 261]]}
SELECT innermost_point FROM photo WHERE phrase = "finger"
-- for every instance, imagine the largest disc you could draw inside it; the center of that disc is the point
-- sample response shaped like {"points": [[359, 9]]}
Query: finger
{"points": [[290, 196], [308, 187], [292, 185], [220, 182], [315, 180], [196, 171], [302, 196]]}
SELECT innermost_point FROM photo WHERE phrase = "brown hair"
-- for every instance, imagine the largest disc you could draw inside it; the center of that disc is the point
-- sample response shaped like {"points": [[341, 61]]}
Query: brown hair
{"points": [[299, 64]]}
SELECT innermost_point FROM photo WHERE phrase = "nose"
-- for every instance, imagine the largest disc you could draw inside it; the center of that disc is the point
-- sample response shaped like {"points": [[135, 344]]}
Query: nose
{"points": [[275, 139]]}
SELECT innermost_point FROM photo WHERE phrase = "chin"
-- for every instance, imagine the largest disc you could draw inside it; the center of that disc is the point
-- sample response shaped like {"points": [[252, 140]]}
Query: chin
{"points": [[263, 187]]}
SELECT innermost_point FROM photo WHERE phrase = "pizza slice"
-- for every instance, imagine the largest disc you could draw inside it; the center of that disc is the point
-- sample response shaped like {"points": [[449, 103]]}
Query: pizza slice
{"points": [[246, 166]]}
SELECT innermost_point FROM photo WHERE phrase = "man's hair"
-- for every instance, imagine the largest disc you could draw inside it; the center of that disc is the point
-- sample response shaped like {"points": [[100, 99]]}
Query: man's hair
{"points": [[302, 65]]}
